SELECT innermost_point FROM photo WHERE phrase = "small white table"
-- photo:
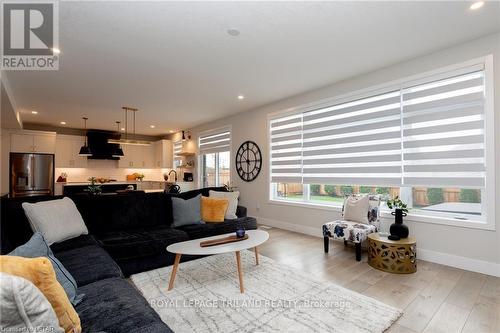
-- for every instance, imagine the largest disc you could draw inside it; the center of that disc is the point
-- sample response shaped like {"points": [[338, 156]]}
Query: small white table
{"points": [[192, 247]]}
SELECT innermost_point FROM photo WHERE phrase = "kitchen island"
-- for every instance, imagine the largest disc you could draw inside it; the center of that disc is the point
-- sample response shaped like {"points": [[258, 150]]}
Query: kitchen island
{"points": [[145, 185]]}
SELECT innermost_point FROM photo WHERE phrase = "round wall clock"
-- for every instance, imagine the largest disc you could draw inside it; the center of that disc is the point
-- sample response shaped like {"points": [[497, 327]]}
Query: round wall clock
{"points": [[248, 161]]}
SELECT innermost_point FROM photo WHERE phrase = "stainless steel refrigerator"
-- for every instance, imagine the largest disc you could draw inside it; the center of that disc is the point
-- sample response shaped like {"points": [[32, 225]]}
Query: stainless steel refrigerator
{"points": [[31, 174]]}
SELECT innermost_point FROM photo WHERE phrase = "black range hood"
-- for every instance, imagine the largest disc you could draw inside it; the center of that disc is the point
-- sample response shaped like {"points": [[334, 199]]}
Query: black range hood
{"points": [[99, 146]]}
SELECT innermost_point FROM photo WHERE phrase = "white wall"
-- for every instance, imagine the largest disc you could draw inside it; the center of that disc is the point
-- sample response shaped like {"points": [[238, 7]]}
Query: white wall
{"points": [[468, 248]]}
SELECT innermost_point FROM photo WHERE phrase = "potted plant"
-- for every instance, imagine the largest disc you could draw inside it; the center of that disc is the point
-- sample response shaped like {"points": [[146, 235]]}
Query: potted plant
{"points": [[93, 188], [398, 230]]}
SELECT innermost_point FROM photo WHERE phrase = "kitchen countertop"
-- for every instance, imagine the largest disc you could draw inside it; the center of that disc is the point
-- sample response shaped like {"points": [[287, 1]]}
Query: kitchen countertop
{"points": [[88, 183], [118, 182]]}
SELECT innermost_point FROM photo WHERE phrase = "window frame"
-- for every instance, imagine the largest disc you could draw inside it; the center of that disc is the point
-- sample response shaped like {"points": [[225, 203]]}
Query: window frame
{"points": [[216, 168], [487, 202], [227, 128]]}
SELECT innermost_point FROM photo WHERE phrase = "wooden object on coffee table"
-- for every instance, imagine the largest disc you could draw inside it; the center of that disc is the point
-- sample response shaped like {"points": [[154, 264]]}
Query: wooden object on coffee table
{"points": [[220, 241]]}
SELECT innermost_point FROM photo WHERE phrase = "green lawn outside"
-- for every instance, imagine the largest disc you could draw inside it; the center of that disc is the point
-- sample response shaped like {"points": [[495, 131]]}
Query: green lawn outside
{"points": [[321, 198], [326, 198]]}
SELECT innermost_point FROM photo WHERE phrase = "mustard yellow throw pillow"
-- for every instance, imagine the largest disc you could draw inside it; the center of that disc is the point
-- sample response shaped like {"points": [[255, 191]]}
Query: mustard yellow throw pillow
{"points": [[213, 210], [41, 273]]}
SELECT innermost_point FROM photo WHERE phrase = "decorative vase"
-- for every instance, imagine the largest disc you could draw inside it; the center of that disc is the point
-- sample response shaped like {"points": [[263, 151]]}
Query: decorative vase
{"points": [[398, 230], [240, 233]]}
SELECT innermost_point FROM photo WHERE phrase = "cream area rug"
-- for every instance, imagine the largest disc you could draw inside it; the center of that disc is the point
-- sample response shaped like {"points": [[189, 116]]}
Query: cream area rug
{"points": [[206, 298]]}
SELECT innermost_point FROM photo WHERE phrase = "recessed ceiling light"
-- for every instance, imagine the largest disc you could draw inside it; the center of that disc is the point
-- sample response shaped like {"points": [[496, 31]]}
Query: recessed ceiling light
{"points": [[34, 112], [477, 5], [152, 126], [233, 32], [55, 50], [63, 123], [240, 97]]}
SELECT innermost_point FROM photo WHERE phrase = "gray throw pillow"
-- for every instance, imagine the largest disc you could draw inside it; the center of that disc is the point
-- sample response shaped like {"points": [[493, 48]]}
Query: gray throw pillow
{"points": [[37, 247], [24, 308], [186, 211]]}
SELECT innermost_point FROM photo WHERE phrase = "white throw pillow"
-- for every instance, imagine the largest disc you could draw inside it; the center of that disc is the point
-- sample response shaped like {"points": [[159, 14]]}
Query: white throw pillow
{"points": [[56, 220], [24, 308], [356, 209], [232, 198]]}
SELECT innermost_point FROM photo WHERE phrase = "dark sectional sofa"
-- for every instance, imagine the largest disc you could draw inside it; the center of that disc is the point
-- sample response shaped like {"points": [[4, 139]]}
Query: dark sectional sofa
{"points": [[128, 234]]}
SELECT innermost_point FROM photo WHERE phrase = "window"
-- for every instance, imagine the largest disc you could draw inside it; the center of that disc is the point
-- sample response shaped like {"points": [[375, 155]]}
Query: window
{"points": [[424, 141], [215, 157], [327, 194], [177, 152]]}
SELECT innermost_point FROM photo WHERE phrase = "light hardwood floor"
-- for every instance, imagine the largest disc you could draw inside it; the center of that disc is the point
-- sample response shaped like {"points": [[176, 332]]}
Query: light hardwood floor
{"points": [[436, 298]]}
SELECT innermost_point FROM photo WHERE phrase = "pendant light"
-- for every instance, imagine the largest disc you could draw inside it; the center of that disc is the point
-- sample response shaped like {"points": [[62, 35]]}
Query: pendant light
{"points": [[126, 141], [118, 151], [84, 150]]}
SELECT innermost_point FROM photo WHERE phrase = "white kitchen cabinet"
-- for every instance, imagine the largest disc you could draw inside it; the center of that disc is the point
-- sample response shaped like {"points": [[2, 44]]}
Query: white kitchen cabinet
{"points": [[44, 143], [148, 157], [137, 157], [21, 143], [126, 161], [163, 154], [67, 150], [33, 142]]}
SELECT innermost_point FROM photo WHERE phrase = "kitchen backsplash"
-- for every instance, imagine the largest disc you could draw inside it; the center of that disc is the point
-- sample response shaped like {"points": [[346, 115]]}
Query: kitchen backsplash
{"points": [[107, 169]]}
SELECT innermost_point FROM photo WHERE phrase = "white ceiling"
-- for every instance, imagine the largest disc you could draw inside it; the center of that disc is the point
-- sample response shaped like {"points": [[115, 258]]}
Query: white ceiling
{"points": [[177, 64]]}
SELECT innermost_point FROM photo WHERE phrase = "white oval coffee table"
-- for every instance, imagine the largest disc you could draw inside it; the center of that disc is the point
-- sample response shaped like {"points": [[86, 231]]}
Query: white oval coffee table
{"points": [[192, 247]]}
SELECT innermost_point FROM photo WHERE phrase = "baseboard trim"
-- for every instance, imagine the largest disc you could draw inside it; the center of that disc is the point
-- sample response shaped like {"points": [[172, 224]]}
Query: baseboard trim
{"points": [[311, 231], [469, 264]]}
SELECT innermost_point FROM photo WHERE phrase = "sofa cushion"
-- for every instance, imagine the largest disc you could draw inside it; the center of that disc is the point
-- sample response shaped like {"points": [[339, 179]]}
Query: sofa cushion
{"points": [[114, 305], [232, 198], [109, 213], [57, 220], [74, 243], [213, 229], [37, 247], [15, 228], [23, 306], [141, 242], [88, 264], [356, 209], [186, 211], [213, 210], [40, 272]]}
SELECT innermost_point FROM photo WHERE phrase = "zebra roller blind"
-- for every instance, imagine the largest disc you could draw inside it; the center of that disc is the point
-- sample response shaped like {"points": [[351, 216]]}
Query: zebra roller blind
{"points": [[286, 149], [215, 141], [427, 134], [358, 142], [443, 132], [177, 149]]}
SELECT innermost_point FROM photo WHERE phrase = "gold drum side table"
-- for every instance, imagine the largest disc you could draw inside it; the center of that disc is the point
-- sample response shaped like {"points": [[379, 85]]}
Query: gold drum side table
{"points": [[392, 256]]}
